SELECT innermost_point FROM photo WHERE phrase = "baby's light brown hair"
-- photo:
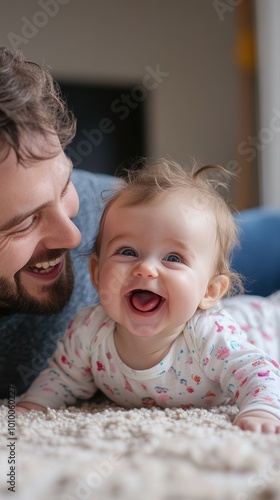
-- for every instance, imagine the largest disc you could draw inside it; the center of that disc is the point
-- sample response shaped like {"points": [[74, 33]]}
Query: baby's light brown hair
{"points": [[152, 181]]}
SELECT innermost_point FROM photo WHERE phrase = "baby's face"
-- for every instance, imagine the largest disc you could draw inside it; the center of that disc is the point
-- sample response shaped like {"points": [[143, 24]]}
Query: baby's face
{"points": [[155, 264]]}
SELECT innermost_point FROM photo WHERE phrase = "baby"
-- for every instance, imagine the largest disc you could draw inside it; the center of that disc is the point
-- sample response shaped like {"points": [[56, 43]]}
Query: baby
{"points": [[161, 336]]}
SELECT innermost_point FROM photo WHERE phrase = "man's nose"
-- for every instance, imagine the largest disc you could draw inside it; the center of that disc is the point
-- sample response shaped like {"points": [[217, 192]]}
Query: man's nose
{"points": [[145, 269], [62, 233]]}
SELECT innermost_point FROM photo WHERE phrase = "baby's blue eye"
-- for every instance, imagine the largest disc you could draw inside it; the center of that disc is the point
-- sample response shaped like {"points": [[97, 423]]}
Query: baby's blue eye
{"points": [[128, 252], [171, 257]]}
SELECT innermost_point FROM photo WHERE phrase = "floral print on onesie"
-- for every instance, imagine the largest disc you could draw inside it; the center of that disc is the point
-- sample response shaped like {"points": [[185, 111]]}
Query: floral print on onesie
{"points": [[216, 360]]}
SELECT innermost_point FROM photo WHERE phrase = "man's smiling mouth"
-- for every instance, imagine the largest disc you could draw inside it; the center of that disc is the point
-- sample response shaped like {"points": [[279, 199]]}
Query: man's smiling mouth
{"points": [[45, 267], [144, 300]]}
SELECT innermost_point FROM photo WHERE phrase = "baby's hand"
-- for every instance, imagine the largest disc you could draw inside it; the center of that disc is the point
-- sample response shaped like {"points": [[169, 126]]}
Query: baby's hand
{"points": [[25, 407], [258, 421]]}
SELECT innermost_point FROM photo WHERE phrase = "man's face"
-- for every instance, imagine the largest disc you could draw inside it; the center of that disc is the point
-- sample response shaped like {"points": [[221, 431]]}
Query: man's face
{"points": [[37, 203]]}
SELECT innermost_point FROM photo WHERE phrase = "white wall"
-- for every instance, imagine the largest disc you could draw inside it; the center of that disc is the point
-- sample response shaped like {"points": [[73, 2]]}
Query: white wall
{"points": [[193, 111], [268, 42]]}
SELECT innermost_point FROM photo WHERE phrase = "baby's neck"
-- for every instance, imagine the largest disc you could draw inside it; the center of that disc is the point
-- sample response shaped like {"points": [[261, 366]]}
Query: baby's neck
{"points": [[142, 353]]}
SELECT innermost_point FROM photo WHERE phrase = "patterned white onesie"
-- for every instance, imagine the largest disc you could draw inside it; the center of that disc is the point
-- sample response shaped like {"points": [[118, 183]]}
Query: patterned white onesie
{"points": [[212, 362]]}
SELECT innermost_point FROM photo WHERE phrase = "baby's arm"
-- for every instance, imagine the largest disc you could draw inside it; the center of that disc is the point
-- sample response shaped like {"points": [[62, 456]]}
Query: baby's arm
{"points": [[245, 373], [258, 421], [68, 376]]}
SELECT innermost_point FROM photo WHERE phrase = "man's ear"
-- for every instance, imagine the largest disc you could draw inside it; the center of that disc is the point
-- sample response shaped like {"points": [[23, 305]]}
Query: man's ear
{"points": [[94, 270], [217, 287]]}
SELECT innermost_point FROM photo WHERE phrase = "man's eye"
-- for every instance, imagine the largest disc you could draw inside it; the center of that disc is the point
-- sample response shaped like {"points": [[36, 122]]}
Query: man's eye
{"points": [[28, 225], [128, 252], [172, 257]]}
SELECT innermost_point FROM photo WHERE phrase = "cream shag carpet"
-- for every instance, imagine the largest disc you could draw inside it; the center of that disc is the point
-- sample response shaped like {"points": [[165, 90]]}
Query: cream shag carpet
{"points": [[103, 452]]}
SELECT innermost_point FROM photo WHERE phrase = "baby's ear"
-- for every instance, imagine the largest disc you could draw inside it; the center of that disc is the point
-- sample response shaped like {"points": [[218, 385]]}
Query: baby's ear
{"points": [[94, 270], [217, 287]]}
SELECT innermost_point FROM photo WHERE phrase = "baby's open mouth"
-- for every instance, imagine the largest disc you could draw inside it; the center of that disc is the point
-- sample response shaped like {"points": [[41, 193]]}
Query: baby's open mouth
{"points": [[144, 300]]}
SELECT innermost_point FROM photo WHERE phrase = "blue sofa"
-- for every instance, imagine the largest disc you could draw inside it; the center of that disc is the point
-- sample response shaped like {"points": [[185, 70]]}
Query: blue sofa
{"points": [[258, 258]]}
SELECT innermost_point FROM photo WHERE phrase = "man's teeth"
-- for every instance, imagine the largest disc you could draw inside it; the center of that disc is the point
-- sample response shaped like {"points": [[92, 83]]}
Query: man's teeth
{"points": [[47, 264]]}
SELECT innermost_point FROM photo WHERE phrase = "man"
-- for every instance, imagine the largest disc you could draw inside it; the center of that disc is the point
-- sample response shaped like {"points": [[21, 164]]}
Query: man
{"points": [[48, 218]]}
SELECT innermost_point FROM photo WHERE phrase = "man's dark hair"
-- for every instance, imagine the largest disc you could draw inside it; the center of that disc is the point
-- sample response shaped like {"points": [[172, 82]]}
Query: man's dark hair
{"points": [[30, 102]]}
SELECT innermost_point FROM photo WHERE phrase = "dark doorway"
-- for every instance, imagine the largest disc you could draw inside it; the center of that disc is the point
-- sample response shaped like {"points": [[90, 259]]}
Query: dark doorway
{"points": [[110, 125]]}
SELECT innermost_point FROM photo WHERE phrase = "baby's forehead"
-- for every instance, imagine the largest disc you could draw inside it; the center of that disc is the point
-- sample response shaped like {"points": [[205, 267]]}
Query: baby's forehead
{"points": [[176, 206], [180, 214], [190, 197]]}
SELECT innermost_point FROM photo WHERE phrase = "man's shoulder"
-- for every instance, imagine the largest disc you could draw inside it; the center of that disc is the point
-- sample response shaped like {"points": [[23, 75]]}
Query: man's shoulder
{"points": [[92, 190], [89, 182]]}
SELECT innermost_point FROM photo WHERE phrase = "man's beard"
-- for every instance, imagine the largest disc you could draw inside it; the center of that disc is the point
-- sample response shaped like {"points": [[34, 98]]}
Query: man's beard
{"points": [[15, 299]]}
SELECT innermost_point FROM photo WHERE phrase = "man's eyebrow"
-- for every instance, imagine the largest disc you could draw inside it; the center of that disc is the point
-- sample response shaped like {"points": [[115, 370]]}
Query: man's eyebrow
{"points": [[17, 219]]}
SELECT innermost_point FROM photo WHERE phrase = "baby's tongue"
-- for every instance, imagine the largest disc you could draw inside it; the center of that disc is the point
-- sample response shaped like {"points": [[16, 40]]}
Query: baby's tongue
{"points": [[143, 300]]}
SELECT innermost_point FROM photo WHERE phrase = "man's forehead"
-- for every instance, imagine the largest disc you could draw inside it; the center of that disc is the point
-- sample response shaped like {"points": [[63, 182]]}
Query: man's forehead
{"points": [[12, 171]]}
